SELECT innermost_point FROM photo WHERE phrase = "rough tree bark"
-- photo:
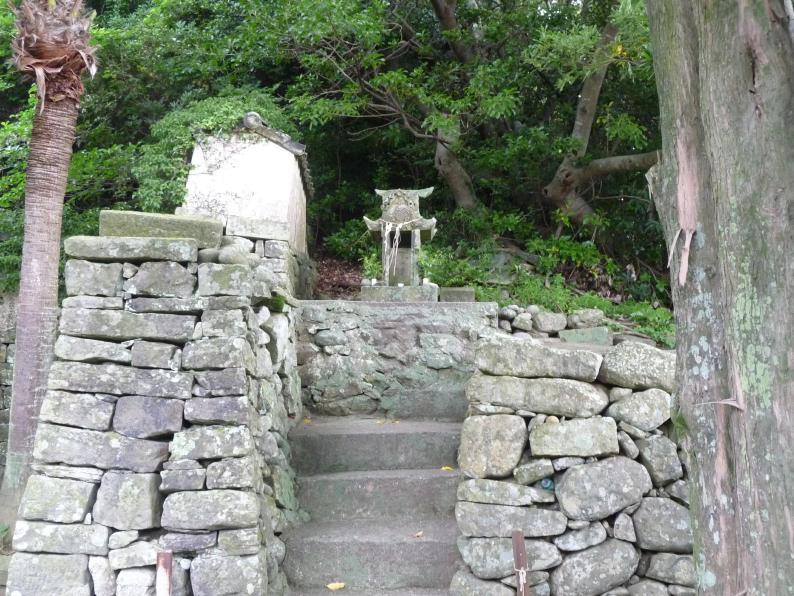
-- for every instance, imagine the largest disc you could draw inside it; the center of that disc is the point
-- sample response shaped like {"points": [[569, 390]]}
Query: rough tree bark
{"points": [[563, 191], [725, 73]]}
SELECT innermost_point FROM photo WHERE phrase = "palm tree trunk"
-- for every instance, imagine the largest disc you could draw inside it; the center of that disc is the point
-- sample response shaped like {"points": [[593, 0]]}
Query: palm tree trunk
{"points": [[48, 168]]}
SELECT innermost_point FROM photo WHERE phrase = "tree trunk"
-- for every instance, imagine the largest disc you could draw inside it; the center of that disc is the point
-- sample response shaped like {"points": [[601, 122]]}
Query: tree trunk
{"points": [[48, 167], [452, 171], [725, 73]]}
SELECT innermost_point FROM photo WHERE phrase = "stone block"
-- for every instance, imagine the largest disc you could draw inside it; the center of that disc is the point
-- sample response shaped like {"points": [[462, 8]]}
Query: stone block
{"points": [[69, 472], [559, 397], [218, 352], [597, 490], [247, 541], [104, 450], [161, 279], [590, 335], [219, 410], [182, 543], [492, 558], [136, 582], [240, 472], [90, 350], [467, 584], [128, 501], [69, 539], [224, 280], [144, 417], [172, 481], [663, 525], [123, 538], [213, 574], [103, 580], [212, 442], [105, 302], [499, 521], [582, 538], [119, 325], [210, 510], [40, 575], [673, 569], [579, 437], [56, 499], [230, 381], [423, 293], [533, 470], [206, 231], [495, 492], [277, 249], [596, 570], [139, 554], [456, 295], [491, 446], [130, 249], [549, 322], [586, 317], [660, 456], [646, 410], [638, 366], [120, 380], [93, 279], [519, 357], [149, 354], [223, 323], [84, 410], [167, 305]]}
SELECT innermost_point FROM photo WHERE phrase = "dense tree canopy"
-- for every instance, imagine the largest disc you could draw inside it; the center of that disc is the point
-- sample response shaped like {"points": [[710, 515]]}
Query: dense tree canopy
{"points": [[479, 98]]}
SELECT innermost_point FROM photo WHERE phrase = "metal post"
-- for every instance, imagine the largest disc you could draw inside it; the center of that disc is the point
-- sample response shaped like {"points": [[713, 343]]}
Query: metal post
{"points": [[520, 563]]}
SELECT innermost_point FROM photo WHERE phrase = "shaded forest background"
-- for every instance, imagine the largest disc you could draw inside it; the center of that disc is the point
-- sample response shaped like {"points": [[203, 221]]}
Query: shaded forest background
{"points": [[479, 98]]}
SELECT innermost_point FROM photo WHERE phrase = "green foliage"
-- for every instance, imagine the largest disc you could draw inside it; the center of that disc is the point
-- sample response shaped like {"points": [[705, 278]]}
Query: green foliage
{"points": [[352, 241]]}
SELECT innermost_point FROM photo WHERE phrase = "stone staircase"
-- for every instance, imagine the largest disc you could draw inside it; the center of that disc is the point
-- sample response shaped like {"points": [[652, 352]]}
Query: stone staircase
{"points": [[381, 506]]}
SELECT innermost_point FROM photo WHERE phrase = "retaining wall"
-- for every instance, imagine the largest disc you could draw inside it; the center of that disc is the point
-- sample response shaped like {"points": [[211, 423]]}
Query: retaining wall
{"points": [[164, 427], [576, 450]]}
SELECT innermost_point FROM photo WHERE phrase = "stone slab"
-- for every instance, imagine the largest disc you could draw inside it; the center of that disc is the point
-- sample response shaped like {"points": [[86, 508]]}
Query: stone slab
{"points": [[121, 325], [120, 380], [463, 294], [131, 249], [424, 293], [206, 231], [579, 437]]}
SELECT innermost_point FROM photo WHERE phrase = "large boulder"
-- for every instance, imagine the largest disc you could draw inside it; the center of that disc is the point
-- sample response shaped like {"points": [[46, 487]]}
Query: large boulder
{"points": [[558, 397], [491, 446], [596, 570], [579, 437], [499, 521], [519, 357], [597, 490], [638, 366], [492, 558]]}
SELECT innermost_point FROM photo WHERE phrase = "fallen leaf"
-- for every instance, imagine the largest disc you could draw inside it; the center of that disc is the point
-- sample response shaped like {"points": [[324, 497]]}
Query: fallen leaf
{"points": [[381, 422], [419, 534], [307, 421], [447, 469], [335, 586]]}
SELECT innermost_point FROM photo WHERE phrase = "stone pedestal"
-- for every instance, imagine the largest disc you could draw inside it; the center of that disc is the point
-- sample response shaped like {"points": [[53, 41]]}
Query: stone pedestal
{"points": [[381, 293]]}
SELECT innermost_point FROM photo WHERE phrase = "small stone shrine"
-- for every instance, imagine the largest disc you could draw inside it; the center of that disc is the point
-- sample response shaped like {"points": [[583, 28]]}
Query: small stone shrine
{"points": [[401, 229]]}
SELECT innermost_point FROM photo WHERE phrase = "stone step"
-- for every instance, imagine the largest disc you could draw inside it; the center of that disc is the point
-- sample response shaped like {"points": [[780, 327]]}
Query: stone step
{"points": [[386, 555], [348, 444], [419, 494]]}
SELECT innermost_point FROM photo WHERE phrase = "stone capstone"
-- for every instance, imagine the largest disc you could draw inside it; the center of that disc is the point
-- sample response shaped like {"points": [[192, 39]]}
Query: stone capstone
{"points": [[579, 437], [119, 380], [56, 499], [104, 450], [637, 366], [130, 249], [491, 446], [210, 510], [663, 525], [36, 575], [597, 490], [518, 357], [559, 397], [69, 539], [92, 279], [646, 410], [206, 231], [145, 417], [596, 570], [492, 558], [128, 501], [476, 519]]}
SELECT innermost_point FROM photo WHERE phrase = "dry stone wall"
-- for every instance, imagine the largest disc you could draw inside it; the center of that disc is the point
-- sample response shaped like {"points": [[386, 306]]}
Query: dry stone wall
{"points": [[165, 424], [7, 328], [404, 359], [577, 450]]}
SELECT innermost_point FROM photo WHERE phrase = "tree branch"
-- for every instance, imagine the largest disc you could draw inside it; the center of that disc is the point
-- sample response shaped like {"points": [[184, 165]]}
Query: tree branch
{"points": [[445, 12], [606, 166]]}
